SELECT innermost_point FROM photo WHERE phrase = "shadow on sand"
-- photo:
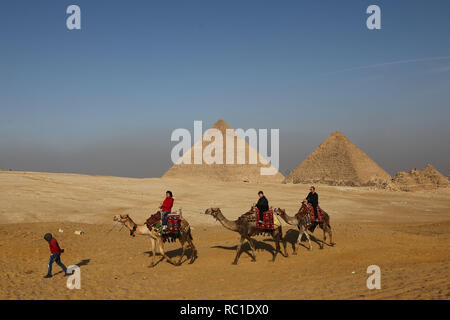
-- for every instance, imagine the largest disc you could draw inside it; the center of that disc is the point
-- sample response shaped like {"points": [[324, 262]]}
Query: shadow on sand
{"points": [[83, 262], [292, 235], [259, 245], [173, 254]]}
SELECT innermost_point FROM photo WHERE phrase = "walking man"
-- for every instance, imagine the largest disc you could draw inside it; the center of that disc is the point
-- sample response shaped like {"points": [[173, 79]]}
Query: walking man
{"points": [[55, 255]]}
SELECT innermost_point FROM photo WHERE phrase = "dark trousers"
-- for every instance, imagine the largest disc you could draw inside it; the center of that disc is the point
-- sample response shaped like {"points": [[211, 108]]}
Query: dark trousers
{"points": [[55, 257], [261, 213], [164, 217], [315, 212]]}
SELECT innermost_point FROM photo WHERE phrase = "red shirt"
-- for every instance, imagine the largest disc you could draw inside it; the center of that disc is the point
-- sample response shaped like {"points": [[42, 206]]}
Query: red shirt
{"points": [[54, 246], [167, 204]]}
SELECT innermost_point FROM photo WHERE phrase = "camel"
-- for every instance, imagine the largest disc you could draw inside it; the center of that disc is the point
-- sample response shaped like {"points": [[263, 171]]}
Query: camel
{"points": [[246, 227], [305, 226], [156, 238]]}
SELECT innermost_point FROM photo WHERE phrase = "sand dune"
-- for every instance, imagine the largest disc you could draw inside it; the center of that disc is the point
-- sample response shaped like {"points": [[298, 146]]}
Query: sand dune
{"points": [[406, 234]]}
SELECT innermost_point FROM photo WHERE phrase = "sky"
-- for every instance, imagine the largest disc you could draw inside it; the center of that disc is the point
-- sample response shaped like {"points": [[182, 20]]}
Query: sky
{"points": [[105, 99]]}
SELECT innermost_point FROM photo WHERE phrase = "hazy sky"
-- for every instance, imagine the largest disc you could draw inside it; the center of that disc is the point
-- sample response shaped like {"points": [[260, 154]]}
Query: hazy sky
{"points": [[105, 99]]}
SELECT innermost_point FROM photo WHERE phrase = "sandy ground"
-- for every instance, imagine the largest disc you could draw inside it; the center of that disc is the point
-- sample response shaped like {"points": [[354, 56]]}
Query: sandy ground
{"points": [[406, 234]]}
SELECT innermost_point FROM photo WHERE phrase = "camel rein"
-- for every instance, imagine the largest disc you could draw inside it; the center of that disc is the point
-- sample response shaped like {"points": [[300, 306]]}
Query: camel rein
{"points": [[115, 224]]}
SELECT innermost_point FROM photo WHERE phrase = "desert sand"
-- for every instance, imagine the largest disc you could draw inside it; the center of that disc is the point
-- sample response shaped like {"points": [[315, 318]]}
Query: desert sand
{"points": [[407, 234]]}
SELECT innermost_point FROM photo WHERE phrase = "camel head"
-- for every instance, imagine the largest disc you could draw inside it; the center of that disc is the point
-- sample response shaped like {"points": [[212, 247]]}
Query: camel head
{"points": [[213, 212], [121, 218]]}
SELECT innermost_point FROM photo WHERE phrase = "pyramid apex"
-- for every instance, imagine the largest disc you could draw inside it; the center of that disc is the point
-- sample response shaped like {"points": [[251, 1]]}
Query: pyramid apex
{"points": [[337, 133], [221, 124]]}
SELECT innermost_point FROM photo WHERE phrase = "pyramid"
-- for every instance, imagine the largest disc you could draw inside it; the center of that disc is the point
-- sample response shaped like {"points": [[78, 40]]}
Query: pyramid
{"points": [[337, 161], [245, 172], [416, 180], [435, 176]]}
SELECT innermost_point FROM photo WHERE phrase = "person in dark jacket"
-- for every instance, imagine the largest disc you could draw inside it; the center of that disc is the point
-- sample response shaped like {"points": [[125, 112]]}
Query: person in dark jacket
{"points": [[262, 205], [55, 255], [313, 199]]}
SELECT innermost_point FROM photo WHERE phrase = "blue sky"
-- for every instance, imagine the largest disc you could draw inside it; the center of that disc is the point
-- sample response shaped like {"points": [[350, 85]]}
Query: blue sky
{"points": [[106, 98]]}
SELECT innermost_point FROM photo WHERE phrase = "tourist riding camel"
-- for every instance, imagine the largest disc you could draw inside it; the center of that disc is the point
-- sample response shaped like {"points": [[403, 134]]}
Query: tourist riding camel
{"points": [[247, 228], [166, 208], [262, 205], [313, 199], [157, 238], [306, 225]]}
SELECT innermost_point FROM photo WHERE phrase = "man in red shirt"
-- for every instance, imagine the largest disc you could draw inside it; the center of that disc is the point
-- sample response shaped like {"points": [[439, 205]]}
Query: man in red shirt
{"points": [[55, 255], [166, 207]]}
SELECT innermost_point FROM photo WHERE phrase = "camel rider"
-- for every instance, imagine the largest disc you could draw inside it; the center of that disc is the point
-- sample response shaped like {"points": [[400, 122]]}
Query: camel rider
{"points": [[166, 208], [313, 199], [262, 205]]}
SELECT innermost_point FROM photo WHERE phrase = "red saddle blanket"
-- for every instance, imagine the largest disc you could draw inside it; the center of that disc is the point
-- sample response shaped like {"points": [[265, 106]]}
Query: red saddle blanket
{"points": [[267, 222], [173, 223], [321, 217]]}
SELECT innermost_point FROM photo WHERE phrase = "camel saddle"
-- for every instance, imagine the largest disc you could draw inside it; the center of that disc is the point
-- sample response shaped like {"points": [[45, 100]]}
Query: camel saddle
{"points": [[173, 223], [321, 216], [153, 220], [267, 222]]}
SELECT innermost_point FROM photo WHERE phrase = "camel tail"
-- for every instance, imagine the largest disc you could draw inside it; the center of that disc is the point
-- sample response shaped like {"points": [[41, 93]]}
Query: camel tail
{"points": [[190, 235]]}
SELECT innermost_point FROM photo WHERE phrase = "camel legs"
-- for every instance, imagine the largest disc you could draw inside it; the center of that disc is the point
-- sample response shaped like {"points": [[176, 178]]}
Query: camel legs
{"points": [[194, 250], [284, 244], [327, 229], [238, 250], [303, 231], [278, 248], [183, 249], [185, 241], [163, 253], [153, 252]]}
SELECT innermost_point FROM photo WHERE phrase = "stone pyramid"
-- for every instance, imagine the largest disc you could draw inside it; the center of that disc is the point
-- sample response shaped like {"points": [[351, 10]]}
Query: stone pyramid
{"points": [[246, 172], [417, 180], [337, 161]]}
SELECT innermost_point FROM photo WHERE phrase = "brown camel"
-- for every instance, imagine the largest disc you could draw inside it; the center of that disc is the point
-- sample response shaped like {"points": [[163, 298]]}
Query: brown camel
{"points": [[246, 227], [305, 226], [156, 238]]}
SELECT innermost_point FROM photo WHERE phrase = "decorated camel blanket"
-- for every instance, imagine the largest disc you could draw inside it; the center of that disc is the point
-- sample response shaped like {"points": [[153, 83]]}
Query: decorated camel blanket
{"points": [[270, 221], [321, 216], [173, 223]]}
